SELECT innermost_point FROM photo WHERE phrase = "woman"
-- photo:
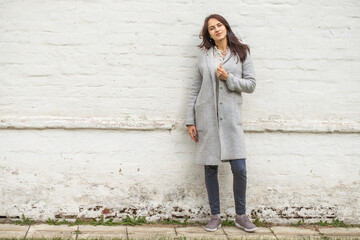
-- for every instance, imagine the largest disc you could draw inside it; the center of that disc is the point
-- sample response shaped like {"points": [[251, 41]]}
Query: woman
{"points": [[224, 70]]}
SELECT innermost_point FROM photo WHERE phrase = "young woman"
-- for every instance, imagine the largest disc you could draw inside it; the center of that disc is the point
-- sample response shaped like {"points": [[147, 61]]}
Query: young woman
{"points": [[224, 71]]}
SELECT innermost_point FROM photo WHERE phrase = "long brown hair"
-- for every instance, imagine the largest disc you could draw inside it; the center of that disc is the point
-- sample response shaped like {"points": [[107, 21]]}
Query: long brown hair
{"points": [[236, 47]]}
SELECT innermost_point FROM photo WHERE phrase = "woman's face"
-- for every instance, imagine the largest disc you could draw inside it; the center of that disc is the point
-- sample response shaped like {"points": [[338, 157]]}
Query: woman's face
{"points": [[216, 29]]}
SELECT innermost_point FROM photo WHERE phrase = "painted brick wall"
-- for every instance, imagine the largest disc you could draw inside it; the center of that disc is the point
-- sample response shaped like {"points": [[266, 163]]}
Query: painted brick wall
{"points": [[93, 98]]}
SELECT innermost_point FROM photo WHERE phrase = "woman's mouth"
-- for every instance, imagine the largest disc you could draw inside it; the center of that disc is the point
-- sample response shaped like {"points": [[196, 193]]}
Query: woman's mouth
{"points": [[218, 34]]}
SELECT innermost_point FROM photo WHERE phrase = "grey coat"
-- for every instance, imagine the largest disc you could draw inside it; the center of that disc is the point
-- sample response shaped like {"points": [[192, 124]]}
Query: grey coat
{"points": [[220, 138]]}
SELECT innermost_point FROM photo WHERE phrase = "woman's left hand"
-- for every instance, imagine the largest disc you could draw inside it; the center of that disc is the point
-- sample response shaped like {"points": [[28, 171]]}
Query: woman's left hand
{"points": [[221, 73]]}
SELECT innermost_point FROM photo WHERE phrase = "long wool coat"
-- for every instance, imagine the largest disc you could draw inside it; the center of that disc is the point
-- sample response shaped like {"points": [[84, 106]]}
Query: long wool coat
{"points": [[220, 138]]}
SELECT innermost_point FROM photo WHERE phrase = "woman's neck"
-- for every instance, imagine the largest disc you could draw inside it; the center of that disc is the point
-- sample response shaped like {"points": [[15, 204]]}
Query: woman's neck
{"points": [[222, 45]]}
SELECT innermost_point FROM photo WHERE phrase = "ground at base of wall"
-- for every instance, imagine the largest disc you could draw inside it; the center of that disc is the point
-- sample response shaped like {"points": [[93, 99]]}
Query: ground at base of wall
{"points": [[77, 232]]}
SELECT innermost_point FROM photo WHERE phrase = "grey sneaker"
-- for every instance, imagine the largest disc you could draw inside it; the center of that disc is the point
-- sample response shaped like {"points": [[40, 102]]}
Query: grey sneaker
{"points": [[214, 224], [244, 222]]}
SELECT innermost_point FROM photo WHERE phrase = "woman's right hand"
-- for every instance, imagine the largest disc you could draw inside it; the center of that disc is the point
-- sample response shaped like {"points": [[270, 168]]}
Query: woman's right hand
{"points": [[193, 132]]}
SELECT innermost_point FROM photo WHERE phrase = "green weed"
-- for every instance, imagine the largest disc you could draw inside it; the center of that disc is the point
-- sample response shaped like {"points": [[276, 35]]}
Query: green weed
{"points": [[334, 223], [133, 221], [299, 223], [228, 222], [262, 223], [172, 221], [25, 221]]}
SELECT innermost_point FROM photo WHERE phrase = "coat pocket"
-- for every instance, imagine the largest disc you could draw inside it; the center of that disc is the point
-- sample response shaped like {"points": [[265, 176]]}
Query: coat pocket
{"points": [[238, 110], [200, 116]]}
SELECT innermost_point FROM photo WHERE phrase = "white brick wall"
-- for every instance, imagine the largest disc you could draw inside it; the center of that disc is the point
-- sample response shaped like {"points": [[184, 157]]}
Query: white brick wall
{"points": [[77, 76]]}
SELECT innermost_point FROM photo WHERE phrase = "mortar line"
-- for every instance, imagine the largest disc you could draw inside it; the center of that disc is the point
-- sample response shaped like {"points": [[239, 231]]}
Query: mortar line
{"points": [[27, 231], [272, 231], [77, 232], [127, 234], [227, 237], [321, 234]]}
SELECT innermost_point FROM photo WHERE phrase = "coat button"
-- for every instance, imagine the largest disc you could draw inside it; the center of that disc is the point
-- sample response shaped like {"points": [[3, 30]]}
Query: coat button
{"points": [[221, 103], [220, 118], [220, 87]]}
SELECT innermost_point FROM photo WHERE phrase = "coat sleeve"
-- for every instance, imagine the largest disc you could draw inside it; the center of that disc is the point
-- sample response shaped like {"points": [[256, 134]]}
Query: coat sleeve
{"points": [[194, 92], [245, 84]]}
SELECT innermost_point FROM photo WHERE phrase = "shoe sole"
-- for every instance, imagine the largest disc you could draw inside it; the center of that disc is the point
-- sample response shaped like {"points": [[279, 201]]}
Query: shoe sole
{"points": [[246, 229], [213, 229]]}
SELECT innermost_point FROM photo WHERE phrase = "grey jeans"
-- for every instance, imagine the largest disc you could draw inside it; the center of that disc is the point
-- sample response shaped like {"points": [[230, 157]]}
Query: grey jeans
{"points": [[238, 168]]}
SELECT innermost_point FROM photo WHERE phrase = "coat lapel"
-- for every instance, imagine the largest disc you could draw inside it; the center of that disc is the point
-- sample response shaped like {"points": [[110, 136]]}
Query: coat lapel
{"points": [[210, 61], [227, 56], [211, 67]]}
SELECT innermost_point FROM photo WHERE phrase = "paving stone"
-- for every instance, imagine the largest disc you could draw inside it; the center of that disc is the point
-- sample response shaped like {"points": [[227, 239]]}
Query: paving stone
{"points": [[200, 232], [108, 232], [340, 232], [295, 233], [140, 232], [52, 231], [13, 231], [167, 232], [237, 233]]}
